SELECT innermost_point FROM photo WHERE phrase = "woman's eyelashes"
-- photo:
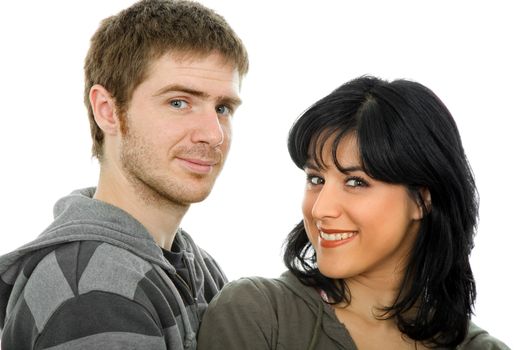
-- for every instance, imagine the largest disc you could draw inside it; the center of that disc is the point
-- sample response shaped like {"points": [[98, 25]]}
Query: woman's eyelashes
{"points": [[315, 180], [356, 181]]}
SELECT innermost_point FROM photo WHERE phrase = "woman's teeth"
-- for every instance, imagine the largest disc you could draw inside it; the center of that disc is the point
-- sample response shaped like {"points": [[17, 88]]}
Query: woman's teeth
{"points": [[337, 236]]}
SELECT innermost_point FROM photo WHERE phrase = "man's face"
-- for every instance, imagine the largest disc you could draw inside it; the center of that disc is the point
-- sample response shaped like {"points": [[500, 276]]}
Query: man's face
{"points": [[178, 127]]}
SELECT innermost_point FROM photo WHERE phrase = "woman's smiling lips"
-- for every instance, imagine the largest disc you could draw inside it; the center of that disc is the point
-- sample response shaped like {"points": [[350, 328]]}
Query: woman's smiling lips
{"points": [[198, 165], [331, 238]]}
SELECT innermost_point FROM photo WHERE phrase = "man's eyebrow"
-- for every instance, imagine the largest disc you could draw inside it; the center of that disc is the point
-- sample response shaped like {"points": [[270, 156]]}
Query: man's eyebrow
{"points": [[182, 88], [234, 101], [230, 101]]}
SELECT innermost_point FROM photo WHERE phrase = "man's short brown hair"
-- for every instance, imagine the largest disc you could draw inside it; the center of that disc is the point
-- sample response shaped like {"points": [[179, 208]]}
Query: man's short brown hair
{"points": [[125, 44]]}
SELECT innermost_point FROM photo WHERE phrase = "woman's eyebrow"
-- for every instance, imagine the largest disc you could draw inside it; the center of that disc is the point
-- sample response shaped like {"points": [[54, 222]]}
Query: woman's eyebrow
{"points": [[351, 168], [347, 169]]}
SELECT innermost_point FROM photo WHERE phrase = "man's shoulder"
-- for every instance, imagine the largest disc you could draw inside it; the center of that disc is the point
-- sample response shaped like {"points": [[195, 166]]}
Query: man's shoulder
{"points": [[83, 293], [80, 267], [61, 283]]}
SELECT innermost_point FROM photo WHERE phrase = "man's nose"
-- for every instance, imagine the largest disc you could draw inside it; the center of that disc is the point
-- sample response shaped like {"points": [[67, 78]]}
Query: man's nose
{"points": [[209, 129]]}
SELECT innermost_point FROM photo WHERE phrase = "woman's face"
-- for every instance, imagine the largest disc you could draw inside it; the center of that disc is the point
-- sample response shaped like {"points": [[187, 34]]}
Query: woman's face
{"points": [[358, 226]]}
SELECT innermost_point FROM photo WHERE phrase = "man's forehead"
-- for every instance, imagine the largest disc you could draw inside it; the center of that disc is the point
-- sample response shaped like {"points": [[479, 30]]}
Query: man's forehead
{"points": [[212, 66]]}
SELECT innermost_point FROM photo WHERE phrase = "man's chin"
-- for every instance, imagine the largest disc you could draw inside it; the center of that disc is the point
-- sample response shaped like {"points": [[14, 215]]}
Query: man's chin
{"points": [[189, 198], [198, 199]]}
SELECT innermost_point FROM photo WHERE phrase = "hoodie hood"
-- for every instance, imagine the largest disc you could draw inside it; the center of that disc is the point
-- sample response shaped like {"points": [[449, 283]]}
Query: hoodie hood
{"points": [[79, 217]]}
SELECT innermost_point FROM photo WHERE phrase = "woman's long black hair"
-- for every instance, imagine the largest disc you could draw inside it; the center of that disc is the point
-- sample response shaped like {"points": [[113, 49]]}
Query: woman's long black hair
{"points": [[406, 136]]}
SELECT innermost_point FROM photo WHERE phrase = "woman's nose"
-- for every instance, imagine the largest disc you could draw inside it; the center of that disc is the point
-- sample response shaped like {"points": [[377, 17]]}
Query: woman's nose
{"points": [[326, 204]]}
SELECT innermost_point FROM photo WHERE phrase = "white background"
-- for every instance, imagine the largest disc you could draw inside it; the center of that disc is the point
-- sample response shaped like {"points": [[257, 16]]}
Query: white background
{"points": [[469, 52]]}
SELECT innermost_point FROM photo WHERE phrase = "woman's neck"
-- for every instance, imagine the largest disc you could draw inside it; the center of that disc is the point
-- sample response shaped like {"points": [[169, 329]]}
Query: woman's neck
{"points": [[370, 294], [365, 318]]}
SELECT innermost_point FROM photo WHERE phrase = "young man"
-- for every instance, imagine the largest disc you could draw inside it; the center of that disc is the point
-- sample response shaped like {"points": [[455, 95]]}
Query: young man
{"points": [[114, 270]]}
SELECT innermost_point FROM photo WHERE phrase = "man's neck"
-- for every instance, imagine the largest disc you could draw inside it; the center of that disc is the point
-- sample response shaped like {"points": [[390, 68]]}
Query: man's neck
{"points": [[159, 216]]}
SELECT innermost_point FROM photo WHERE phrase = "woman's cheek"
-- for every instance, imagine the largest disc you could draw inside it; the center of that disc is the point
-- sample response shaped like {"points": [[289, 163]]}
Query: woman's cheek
{"points": [[309, 224]]}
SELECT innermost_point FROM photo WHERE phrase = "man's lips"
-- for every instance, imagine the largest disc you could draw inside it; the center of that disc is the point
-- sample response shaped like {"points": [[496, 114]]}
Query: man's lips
{"points": [[200, 166], [203, 162]]}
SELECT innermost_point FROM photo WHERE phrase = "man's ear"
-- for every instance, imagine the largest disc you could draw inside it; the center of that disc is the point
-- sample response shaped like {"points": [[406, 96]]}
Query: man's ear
{"points": [[104, 109], [424, 202]]}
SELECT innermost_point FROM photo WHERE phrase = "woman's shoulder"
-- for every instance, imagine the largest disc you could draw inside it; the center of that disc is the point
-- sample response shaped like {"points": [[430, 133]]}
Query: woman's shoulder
{"points": [[480, 339], [271, 300], [244, 315], [266, 313], [259, 289]]}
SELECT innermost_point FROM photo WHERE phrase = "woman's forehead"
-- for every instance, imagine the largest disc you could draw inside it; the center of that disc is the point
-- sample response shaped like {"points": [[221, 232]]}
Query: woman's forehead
{"points": [[333, 148]]}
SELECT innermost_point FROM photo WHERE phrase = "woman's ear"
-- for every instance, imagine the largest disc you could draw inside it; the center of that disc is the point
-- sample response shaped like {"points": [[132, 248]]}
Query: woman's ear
{"points": [[424, 202], [104, 109]]}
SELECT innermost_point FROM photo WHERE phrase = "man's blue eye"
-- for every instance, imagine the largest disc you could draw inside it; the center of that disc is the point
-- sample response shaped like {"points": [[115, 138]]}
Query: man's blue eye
{"points": [[224, 110], [179, 104]]}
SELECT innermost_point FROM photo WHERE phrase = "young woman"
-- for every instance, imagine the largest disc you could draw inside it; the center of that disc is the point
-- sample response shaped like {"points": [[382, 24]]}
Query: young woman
{"points": [[381, 257]]}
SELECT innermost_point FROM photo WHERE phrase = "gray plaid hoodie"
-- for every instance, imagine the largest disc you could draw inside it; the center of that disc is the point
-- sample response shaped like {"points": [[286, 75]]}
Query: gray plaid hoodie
{"points": [[96, 279]]}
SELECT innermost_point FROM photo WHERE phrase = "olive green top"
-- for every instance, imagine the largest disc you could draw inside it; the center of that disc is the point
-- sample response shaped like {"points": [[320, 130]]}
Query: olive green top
{"points": [[259, 313]]}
